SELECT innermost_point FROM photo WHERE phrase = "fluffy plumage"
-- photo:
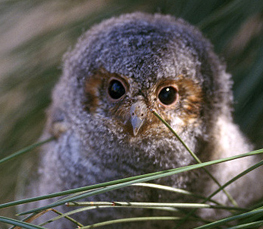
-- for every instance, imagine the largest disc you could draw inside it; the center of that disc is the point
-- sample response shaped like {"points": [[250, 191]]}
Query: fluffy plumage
{"points": [[101, 115]]}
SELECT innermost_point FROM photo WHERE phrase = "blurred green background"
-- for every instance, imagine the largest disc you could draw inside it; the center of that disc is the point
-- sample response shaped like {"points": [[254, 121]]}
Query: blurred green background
{"points": [[34, 35]]}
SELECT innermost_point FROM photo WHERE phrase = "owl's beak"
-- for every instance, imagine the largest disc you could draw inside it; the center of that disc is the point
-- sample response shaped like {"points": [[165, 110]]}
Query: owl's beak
{"points": [[138, 113]]}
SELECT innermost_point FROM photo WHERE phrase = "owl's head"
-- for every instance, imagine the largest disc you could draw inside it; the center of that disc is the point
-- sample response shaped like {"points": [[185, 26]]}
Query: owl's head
{"points": [[125, 67]]}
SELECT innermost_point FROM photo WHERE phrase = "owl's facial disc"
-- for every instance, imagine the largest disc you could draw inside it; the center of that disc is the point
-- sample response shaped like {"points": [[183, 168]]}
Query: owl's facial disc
{"points": [[128, 102]]}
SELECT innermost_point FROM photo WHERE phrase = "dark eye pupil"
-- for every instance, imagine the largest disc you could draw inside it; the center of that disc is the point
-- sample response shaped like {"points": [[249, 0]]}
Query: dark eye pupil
{"points": [[167, 95], [116, 89]]}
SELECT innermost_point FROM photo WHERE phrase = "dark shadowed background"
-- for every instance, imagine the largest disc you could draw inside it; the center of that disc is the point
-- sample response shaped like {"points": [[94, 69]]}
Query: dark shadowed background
{"points": [[34, 35]]}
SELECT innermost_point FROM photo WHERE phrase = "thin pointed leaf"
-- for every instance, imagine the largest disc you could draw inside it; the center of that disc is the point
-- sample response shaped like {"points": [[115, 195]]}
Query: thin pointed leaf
{"points": [[19, 223], [25, 150], [232, 218], [132, 180], [195, 157], [126, 220]]}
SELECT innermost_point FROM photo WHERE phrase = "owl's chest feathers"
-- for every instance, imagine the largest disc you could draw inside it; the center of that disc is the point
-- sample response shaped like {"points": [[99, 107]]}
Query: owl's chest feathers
{"points": [[105, 159]]}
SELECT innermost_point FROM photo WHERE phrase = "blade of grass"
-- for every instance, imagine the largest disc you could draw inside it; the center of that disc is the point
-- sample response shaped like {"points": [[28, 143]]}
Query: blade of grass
{"points": [[232, 218], [94, 207], [76, 194], [220, 13], [140, 204], [151, 205], [34, 216], [195, 157], [124, 182], [248, 225], [25, 150], [164, 187], [172, 189], [19, 223], [254, 217], [67, 214], [224, 186], [70, 191], [68, 218], [236, 178], [126, 220], [160, 187], [31, 218]]}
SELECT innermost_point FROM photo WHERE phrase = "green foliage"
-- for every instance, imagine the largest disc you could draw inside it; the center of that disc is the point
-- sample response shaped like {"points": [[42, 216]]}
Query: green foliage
{"points": [[71, 196]]}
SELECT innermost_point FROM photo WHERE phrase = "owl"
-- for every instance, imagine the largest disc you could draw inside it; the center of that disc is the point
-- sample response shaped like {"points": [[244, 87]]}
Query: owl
{"points": [[101, 117]]}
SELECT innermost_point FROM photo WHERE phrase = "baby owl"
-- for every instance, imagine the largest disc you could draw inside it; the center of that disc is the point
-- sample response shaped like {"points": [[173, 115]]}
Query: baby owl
{"points": [[101, 116]]}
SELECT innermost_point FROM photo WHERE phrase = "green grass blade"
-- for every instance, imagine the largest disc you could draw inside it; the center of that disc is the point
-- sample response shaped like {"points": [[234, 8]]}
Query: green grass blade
{"points": [[68, 192], [151, 205], [140, 204], [232, 218], [248, 225], [24, 150], [127, 220], [236, 178], [129, 181], [68, 218], [19, 223], [172, 189], [195, 157], [225, 185], [67, 214]]}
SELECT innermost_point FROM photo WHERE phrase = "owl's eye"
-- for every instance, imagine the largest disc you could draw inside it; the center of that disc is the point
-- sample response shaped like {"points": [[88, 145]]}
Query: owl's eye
{"points": [[168, 95], [116, 89]]}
